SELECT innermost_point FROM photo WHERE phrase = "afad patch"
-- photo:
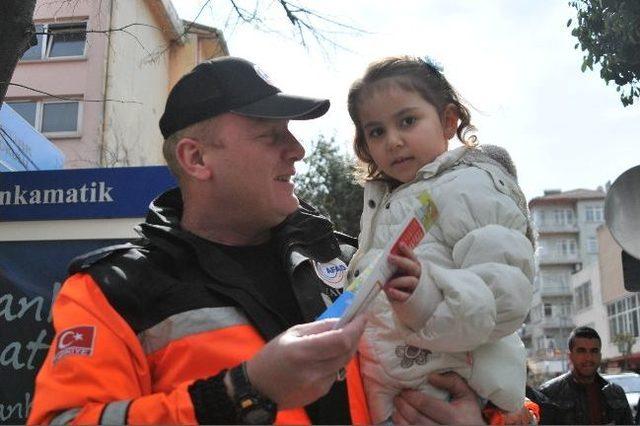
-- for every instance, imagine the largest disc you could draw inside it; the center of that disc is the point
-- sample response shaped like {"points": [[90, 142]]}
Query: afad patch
{"points": [[333, 273], [75, 341]]}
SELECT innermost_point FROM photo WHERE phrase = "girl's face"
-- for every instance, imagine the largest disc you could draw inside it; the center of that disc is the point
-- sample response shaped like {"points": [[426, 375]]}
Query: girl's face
{"points": [[404, 132]]}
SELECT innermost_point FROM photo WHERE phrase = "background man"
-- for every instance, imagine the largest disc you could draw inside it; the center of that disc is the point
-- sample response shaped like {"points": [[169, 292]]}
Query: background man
{"points": [[582, 396], [197, 321]]}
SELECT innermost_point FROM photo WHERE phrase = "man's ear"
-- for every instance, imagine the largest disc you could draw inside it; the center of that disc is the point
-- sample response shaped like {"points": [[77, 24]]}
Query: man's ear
{"points": [[190, 156], [450, 121]]}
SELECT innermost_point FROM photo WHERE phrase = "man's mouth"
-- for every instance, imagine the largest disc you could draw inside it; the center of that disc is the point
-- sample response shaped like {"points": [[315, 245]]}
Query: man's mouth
{"points": [[283, 178]]}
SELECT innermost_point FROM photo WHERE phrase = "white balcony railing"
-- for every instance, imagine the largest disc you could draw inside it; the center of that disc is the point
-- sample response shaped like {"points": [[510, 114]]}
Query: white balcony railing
{"points": [[558, 258], [556, 228], [555, 290]]}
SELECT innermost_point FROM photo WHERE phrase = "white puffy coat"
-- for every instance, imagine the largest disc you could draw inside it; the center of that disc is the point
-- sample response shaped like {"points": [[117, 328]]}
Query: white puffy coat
{"points": [[474, 291]]}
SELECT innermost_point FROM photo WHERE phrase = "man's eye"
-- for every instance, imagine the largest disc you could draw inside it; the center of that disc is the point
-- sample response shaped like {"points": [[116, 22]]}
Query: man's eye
{"points": [[407, 121]]}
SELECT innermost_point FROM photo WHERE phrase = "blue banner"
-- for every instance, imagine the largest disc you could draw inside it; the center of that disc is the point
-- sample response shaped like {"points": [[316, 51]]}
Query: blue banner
{"points": [[81, 193], [31, 273]]}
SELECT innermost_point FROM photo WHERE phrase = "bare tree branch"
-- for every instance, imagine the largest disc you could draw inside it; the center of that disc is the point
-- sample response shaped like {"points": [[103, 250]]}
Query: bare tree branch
{"points": [[64, 98], [188, 27]]}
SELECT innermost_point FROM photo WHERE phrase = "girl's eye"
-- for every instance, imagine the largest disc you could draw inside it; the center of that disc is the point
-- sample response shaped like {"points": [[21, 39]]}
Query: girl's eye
{"points": [[375, 132], [408, 121]]}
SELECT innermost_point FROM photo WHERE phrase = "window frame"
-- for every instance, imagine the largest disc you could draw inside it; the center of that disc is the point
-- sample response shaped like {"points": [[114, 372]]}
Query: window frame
{"points": [[40, 112], [594, 214], [48, 37]]}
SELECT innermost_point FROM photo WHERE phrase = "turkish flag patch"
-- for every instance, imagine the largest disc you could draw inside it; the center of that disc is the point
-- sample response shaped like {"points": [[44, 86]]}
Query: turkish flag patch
{"points": [[75, 341]]}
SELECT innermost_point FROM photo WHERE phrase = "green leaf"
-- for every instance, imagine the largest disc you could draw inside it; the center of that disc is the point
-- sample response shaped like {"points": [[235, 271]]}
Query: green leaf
{"points": [[569, 22]]}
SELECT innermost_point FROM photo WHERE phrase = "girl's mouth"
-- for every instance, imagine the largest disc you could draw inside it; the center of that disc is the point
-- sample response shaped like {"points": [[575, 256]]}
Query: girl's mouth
{"points": [[400, 160]]}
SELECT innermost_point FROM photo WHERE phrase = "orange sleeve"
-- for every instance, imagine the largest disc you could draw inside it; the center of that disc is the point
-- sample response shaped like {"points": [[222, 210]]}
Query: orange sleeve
{"points": [[96, 367]]}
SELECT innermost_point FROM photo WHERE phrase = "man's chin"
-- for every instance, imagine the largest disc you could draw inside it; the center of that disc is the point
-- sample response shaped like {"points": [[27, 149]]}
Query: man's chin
{"points": [[587, 373]]}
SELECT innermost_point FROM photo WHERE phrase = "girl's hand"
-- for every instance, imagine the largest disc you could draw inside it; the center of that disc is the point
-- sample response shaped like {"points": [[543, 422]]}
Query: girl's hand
{"points": [[401, 286]]}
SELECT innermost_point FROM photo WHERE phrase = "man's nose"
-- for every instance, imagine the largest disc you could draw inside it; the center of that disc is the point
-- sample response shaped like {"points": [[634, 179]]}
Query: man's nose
{"points": [[294, 151]]}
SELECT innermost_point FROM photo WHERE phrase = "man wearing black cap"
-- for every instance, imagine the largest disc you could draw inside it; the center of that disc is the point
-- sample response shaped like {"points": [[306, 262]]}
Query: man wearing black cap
{"points": [[174, 327]]}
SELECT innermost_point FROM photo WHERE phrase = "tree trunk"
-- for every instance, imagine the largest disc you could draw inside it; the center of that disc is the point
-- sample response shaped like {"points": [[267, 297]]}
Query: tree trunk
{"points": [[16, 24]]}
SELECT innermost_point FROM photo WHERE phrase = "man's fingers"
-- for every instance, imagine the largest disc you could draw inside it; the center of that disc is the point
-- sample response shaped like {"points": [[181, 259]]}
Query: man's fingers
{"points": [[452, 383], [314, 327], [429, 409], [406, 412], [318, 341]]}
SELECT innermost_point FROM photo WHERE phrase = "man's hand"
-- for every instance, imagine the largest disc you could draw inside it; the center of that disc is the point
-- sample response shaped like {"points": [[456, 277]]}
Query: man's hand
{"points": [[414, 407], [300, 365], [401, 286]]}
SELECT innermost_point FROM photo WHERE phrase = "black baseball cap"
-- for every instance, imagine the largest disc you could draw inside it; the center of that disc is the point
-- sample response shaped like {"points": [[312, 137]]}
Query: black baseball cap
{"points": [[231, 84]]}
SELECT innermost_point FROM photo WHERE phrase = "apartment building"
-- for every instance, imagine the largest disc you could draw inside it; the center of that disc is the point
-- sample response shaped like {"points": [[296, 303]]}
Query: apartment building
{"points": [[566, 223], [102, 71]]}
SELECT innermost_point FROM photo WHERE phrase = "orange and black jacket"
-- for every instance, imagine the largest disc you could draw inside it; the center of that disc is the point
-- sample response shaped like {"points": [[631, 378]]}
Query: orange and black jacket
{"points": [[144, 329]]}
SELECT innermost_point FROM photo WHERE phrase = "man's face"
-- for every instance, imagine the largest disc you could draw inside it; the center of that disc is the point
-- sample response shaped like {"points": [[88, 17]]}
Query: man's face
{"points": [[253, 165], [585, 357]]}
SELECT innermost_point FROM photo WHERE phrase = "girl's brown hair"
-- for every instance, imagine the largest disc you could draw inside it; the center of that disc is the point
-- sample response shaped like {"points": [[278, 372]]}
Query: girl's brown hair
{"points": [[412, 74]]}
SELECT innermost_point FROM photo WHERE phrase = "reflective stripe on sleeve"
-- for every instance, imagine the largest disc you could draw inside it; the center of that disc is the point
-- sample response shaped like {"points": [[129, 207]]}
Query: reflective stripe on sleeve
{"points": [[187, 323], [65, 417], [115, 413]]}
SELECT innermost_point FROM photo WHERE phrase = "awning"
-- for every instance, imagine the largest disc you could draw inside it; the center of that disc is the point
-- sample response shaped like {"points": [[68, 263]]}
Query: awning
{"points": [[24, 148]]}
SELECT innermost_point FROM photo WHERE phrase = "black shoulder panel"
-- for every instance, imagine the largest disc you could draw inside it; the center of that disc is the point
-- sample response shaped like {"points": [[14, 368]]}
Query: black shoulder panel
{"points": [[145, 285], [84, 261]]}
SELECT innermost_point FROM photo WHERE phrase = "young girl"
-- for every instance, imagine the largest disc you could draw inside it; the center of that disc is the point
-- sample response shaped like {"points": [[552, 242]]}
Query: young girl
{"points": [[460, 296]]}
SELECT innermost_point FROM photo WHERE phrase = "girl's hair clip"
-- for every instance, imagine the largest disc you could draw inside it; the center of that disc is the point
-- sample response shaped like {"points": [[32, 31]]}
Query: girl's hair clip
{"points": [[432, 63]]}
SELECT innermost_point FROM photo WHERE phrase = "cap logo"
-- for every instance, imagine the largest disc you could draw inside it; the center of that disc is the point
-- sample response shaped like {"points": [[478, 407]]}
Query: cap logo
{"points": [[332, 273], [75, 341], [263, 75]]}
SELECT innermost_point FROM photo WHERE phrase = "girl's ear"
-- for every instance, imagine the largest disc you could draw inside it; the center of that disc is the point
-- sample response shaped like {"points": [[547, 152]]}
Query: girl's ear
{"points": [[450, 121], [190, 156]]}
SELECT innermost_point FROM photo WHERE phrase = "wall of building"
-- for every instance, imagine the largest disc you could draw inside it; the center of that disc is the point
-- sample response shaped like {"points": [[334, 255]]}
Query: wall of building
{"points": [[78, 78], [138, 72], [121, 81], [198, 46], [595, 315], [588, 228], [610, 265]]}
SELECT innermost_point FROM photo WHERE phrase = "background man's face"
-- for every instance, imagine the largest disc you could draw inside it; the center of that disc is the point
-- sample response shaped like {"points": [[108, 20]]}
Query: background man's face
{"points": [[585, 357]]}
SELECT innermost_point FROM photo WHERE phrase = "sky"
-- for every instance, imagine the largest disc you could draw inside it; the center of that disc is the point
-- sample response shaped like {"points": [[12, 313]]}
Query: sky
{"points": [[513, 61]]}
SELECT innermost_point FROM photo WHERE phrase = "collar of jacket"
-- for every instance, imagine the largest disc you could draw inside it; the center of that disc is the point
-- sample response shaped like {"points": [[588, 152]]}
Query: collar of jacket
{"points": [[304, 235], [375, 189], [598, 379], [305, 231]]}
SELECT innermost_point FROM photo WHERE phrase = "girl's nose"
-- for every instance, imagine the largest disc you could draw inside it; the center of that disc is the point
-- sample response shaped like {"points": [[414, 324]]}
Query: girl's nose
{"points": [[394, 141]]}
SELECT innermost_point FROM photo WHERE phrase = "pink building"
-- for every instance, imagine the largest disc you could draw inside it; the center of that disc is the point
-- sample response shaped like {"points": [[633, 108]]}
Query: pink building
{"points": [[108, 87]]}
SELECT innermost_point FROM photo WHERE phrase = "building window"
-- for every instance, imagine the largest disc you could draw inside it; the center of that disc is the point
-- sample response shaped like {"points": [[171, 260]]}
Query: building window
{"points": [[582, 296], [35, 52], [54, 118], [563, 217], [592, 245], [566, 247], [58, 41], [594, 214], [624, 316], [59, 117], [26, 109], [548, 310]]}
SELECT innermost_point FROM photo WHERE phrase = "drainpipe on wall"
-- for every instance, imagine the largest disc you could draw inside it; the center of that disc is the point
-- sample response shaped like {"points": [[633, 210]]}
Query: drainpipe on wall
{"points": [[105, 88]]}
